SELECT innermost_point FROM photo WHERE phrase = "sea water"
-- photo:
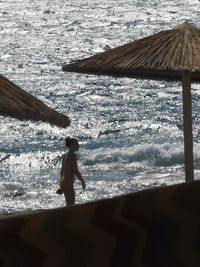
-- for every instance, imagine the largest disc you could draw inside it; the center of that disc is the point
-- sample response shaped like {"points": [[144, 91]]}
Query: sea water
{"points": [[130, 130]]}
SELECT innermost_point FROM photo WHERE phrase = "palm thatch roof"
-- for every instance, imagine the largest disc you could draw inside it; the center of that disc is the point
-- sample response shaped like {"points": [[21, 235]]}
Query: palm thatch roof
{"points": [[166, 54], [17, 103]]}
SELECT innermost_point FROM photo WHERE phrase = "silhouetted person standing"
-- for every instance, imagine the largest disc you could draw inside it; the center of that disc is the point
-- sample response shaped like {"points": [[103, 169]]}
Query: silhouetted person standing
{"points": [[69, 171]]}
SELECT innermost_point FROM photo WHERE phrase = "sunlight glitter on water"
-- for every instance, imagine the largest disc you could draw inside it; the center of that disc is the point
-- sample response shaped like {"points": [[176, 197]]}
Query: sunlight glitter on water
{"points": [[130, 131]]}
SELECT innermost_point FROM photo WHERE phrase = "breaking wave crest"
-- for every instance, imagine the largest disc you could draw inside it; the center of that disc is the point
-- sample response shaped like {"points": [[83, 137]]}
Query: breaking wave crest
{"points": [[154, 154]]}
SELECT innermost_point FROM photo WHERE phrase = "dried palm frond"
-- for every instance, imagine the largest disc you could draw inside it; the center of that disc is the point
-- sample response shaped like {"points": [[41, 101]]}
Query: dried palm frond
{"points": [[17, 103]]}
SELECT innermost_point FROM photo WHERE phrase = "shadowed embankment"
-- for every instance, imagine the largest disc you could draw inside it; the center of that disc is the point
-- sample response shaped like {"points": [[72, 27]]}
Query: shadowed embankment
{"points": [[156, 227]]}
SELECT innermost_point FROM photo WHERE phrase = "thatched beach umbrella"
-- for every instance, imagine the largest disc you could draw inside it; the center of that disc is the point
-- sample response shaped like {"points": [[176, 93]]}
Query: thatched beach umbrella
{"points": [[171, 54], [17, 103]]}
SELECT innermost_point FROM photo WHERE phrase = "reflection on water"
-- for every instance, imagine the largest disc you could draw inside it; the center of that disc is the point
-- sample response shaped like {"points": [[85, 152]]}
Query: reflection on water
{"points": [[130, 130]]}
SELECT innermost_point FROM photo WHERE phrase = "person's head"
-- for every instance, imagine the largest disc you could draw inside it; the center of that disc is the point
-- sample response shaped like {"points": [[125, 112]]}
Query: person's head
{"points": [[72, 143]]}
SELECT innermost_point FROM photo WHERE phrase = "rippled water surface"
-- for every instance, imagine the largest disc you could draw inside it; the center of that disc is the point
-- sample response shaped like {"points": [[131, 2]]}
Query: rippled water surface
{"points": [[130, 130]]}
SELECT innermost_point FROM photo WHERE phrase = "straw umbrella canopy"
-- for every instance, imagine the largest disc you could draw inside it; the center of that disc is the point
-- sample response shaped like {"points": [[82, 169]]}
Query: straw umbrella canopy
{"points": [[17, 103], [170, 54]]}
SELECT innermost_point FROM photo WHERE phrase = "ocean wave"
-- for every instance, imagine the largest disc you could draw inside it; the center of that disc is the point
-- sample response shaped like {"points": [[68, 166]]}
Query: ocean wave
{"points": [[160, 155], [154, 154]]}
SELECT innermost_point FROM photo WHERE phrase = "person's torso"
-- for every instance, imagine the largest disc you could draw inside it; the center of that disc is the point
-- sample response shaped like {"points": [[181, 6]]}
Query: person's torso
{"points": [[67, 167]]}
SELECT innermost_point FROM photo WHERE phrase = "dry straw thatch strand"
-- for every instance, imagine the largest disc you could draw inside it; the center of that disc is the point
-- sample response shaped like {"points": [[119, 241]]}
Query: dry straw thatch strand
{"points": [[17, 103]]}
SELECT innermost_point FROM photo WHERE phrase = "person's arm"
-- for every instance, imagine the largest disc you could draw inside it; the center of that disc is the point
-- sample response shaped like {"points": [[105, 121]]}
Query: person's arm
{"points": [[61, 171], [59, 191], [76, 171]]}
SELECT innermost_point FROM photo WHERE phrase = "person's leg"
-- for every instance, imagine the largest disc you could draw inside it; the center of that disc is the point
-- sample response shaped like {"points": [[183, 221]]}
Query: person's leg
{"points": [[69, 196], [68, 190]]}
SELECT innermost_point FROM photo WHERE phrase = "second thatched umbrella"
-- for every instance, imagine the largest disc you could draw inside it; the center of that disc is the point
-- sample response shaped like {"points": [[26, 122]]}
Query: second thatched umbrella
{"points": [[171, 54], [17, 103]]}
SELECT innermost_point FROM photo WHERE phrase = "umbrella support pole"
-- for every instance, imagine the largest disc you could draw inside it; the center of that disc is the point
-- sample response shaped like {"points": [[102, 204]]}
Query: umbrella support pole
{"points": [[187, 125]]}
